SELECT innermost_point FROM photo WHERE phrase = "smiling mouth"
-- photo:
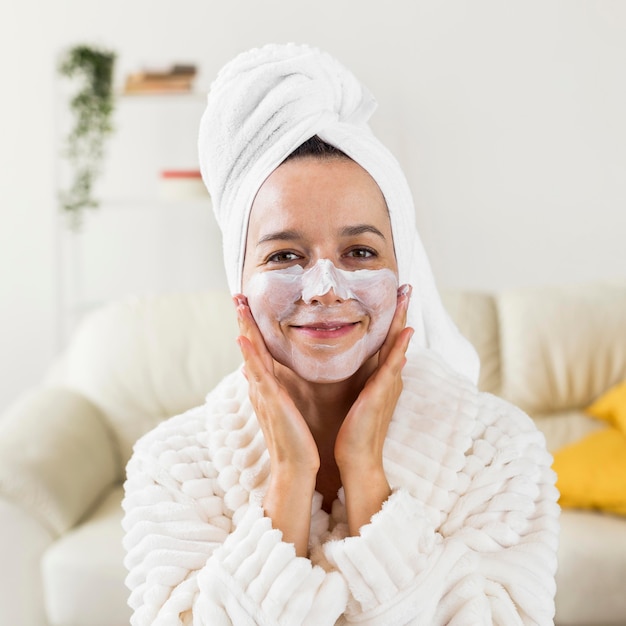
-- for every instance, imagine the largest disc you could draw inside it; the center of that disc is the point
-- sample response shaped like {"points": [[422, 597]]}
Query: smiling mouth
{"points": [[328, 326], [326, 330]]}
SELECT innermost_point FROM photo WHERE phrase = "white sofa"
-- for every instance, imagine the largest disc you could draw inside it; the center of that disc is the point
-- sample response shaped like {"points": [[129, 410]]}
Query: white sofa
{"points": [[64, 446]]}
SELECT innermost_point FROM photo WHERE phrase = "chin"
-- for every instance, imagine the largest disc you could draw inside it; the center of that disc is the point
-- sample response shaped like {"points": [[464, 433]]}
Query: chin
{"points": [[327, 369], [325, 379], [319, 371]]}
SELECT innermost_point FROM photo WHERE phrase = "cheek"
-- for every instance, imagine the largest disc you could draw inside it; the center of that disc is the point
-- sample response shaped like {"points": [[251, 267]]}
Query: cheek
{"points": [[271, 298], [378, 295]]}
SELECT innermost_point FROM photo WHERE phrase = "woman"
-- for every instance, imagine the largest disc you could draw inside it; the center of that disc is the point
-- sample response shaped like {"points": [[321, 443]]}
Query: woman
{"points": [[350, 471]]}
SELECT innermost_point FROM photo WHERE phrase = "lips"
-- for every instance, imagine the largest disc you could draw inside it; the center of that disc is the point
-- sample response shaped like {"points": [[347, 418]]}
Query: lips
{"points": [[325, 317], [325, 325], [325, 330]]}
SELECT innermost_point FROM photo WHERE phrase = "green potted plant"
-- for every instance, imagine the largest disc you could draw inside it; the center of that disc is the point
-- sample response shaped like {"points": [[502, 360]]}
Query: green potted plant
{"points": [[92, 107]]}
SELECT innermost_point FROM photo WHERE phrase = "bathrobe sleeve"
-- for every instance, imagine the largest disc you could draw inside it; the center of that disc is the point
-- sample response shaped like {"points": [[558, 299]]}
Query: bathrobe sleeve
{"points": [[190, 563], [491, 561]]}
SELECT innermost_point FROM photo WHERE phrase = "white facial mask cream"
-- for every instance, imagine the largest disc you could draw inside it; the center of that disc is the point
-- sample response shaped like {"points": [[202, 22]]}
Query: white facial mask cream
{"points": [[323, 342]]}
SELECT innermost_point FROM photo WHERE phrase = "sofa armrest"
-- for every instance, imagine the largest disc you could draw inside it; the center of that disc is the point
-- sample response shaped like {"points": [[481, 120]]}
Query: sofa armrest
{"points": [[56, 456], [23, 541]]}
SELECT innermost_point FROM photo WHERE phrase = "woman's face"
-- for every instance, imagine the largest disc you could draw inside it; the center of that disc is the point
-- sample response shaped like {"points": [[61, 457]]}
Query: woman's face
{"points": [[314, 224]]}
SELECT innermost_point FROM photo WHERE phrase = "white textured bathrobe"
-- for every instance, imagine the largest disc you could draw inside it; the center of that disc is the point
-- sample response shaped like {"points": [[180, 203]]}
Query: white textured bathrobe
{"points": [[468, 536]]}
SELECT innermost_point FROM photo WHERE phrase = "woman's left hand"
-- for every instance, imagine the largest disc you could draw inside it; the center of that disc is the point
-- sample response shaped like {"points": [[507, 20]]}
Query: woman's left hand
{"points": [[359, 443]]}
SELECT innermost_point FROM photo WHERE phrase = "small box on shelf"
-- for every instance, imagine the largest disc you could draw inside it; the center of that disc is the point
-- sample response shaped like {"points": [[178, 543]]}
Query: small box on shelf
{"points": [[176, 79], [181, 185]]}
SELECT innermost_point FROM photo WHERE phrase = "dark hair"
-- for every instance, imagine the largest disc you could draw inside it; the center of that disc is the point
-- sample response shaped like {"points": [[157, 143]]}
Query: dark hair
{"points": [[318, 149]]}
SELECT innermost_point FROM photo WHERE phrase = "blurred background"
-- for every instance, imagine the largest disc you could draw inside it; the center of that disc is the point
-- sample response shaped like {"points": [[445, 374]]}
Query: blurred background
{"points": [[508, 118]]}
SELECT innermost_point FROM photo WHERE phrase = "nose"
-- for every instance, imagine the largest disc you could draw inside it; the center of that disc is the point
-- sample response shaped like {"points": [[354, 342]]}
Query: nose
{"points": [[321, 284], [326, 299]]}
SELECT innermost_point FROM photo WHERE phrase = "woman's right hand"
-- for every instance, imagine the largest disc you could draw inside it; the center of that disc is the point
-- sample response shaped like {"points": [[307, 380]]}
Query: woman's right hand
{"points": [[294, 458]]}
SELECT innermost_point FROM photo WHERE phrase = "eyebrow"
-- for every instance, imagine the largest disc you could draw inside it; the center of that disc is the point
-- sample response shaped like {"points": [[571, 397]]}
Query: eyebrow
{"points": [[347, 231], [281, 235], [359, 229]]}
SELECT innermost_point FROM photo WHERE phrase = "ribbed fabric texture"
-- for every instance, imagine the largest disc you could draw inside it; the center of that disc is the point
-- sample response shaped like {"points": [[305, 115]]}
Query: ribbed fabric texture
{"points": [[468, 536]]}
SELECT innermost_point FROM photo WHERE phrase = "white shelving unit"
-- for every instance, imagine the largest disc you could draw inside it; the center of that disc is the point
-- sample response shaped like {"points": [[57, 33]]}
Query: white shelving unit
{"points": [[141, 240]]}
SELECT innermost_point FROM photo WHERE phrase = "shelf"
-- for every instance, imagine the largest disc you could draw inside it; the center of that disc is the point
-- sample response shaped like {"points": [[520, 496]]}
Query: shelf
{"points": [[153, 232], [160, 95]]}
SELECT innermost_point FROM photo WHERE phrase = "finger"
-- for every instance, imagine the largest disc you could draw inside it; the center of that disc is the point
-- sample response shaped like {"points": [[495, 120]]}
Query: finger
{"points": [[383, 388], [256, 372], [249, 329], [387, 379], [381, 392], [244, 317], [396, 357], [282, 424], [253, 365], [398, 322]]}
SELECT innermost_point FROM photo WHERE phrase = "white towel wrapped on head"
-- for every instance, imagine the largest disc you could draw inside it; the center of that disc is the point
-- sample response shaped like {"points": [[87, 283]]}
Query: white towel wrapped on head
{"points": [[261, 107]]}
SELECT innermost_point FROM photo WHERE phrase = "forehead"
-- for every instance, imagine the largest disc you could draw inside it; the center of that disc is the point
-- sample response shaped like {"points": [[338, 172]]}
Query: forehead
{"points": [[317, 192]]}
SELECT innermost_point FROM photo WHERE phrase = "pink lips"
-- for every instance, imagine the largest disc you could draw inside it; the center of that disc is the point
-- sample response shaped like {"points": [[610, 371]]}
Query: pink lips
{"points": [[326, 330]]}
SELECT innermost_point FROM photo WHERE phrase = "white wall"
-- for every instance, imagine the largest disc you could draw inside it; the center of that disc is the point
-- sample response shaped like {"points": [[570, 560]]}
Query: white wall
{"points": [[508, 118]]}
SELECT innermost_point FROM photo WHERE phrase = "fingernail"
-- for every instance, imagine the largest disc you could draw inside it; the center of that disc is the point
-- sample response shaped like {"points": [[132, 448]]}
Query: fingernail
{"points": [[404, 290], [241, 311]]}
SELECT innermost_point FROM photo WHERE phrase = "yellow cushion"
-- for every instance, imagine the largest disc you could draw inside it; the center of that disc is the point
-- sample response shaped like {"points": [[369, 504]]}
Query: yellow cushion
{"points": [[611, 407], [591, 473]]}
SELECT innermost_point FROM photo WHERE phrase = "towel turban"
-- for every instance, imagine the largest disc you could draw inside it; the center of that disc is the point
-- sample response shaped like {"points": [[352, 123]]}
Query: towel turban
{"points": [[260, 108]]}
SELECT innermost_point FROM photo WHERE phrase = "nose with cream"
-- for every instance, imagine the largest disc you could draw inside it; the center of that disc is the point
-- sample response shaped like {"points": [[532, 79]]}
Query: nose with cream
{"points": [[327, 342]]}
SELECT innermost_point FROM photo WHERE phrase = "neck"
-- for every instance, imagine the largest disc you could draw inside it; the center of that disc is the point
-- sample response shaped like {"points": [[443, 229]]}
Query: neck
{"points": [[324, 405]]}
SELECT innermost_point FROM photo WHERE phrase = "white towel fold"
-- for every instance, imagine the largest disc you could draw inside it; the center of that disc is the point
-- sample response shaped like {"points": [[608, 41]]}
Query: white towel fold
{"points": [[261, 107]]}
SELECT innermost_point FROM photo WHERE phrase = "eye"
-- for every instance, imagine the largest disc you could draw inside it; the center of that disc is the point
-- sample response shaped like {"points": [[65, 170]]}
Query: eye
{"points": [[282, 256], [361, 253]]}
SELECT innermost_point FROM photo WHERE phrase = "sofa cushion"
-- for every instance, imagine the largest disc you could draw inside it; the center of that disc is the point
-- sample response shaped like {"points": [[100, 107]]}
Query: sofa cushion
{"points": [[611, 407], [592, 565], [56, 456], [561, 347], [566, 427], [83, 572], [145, 359], [475, 315], [592, 472], [22, 543]]}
